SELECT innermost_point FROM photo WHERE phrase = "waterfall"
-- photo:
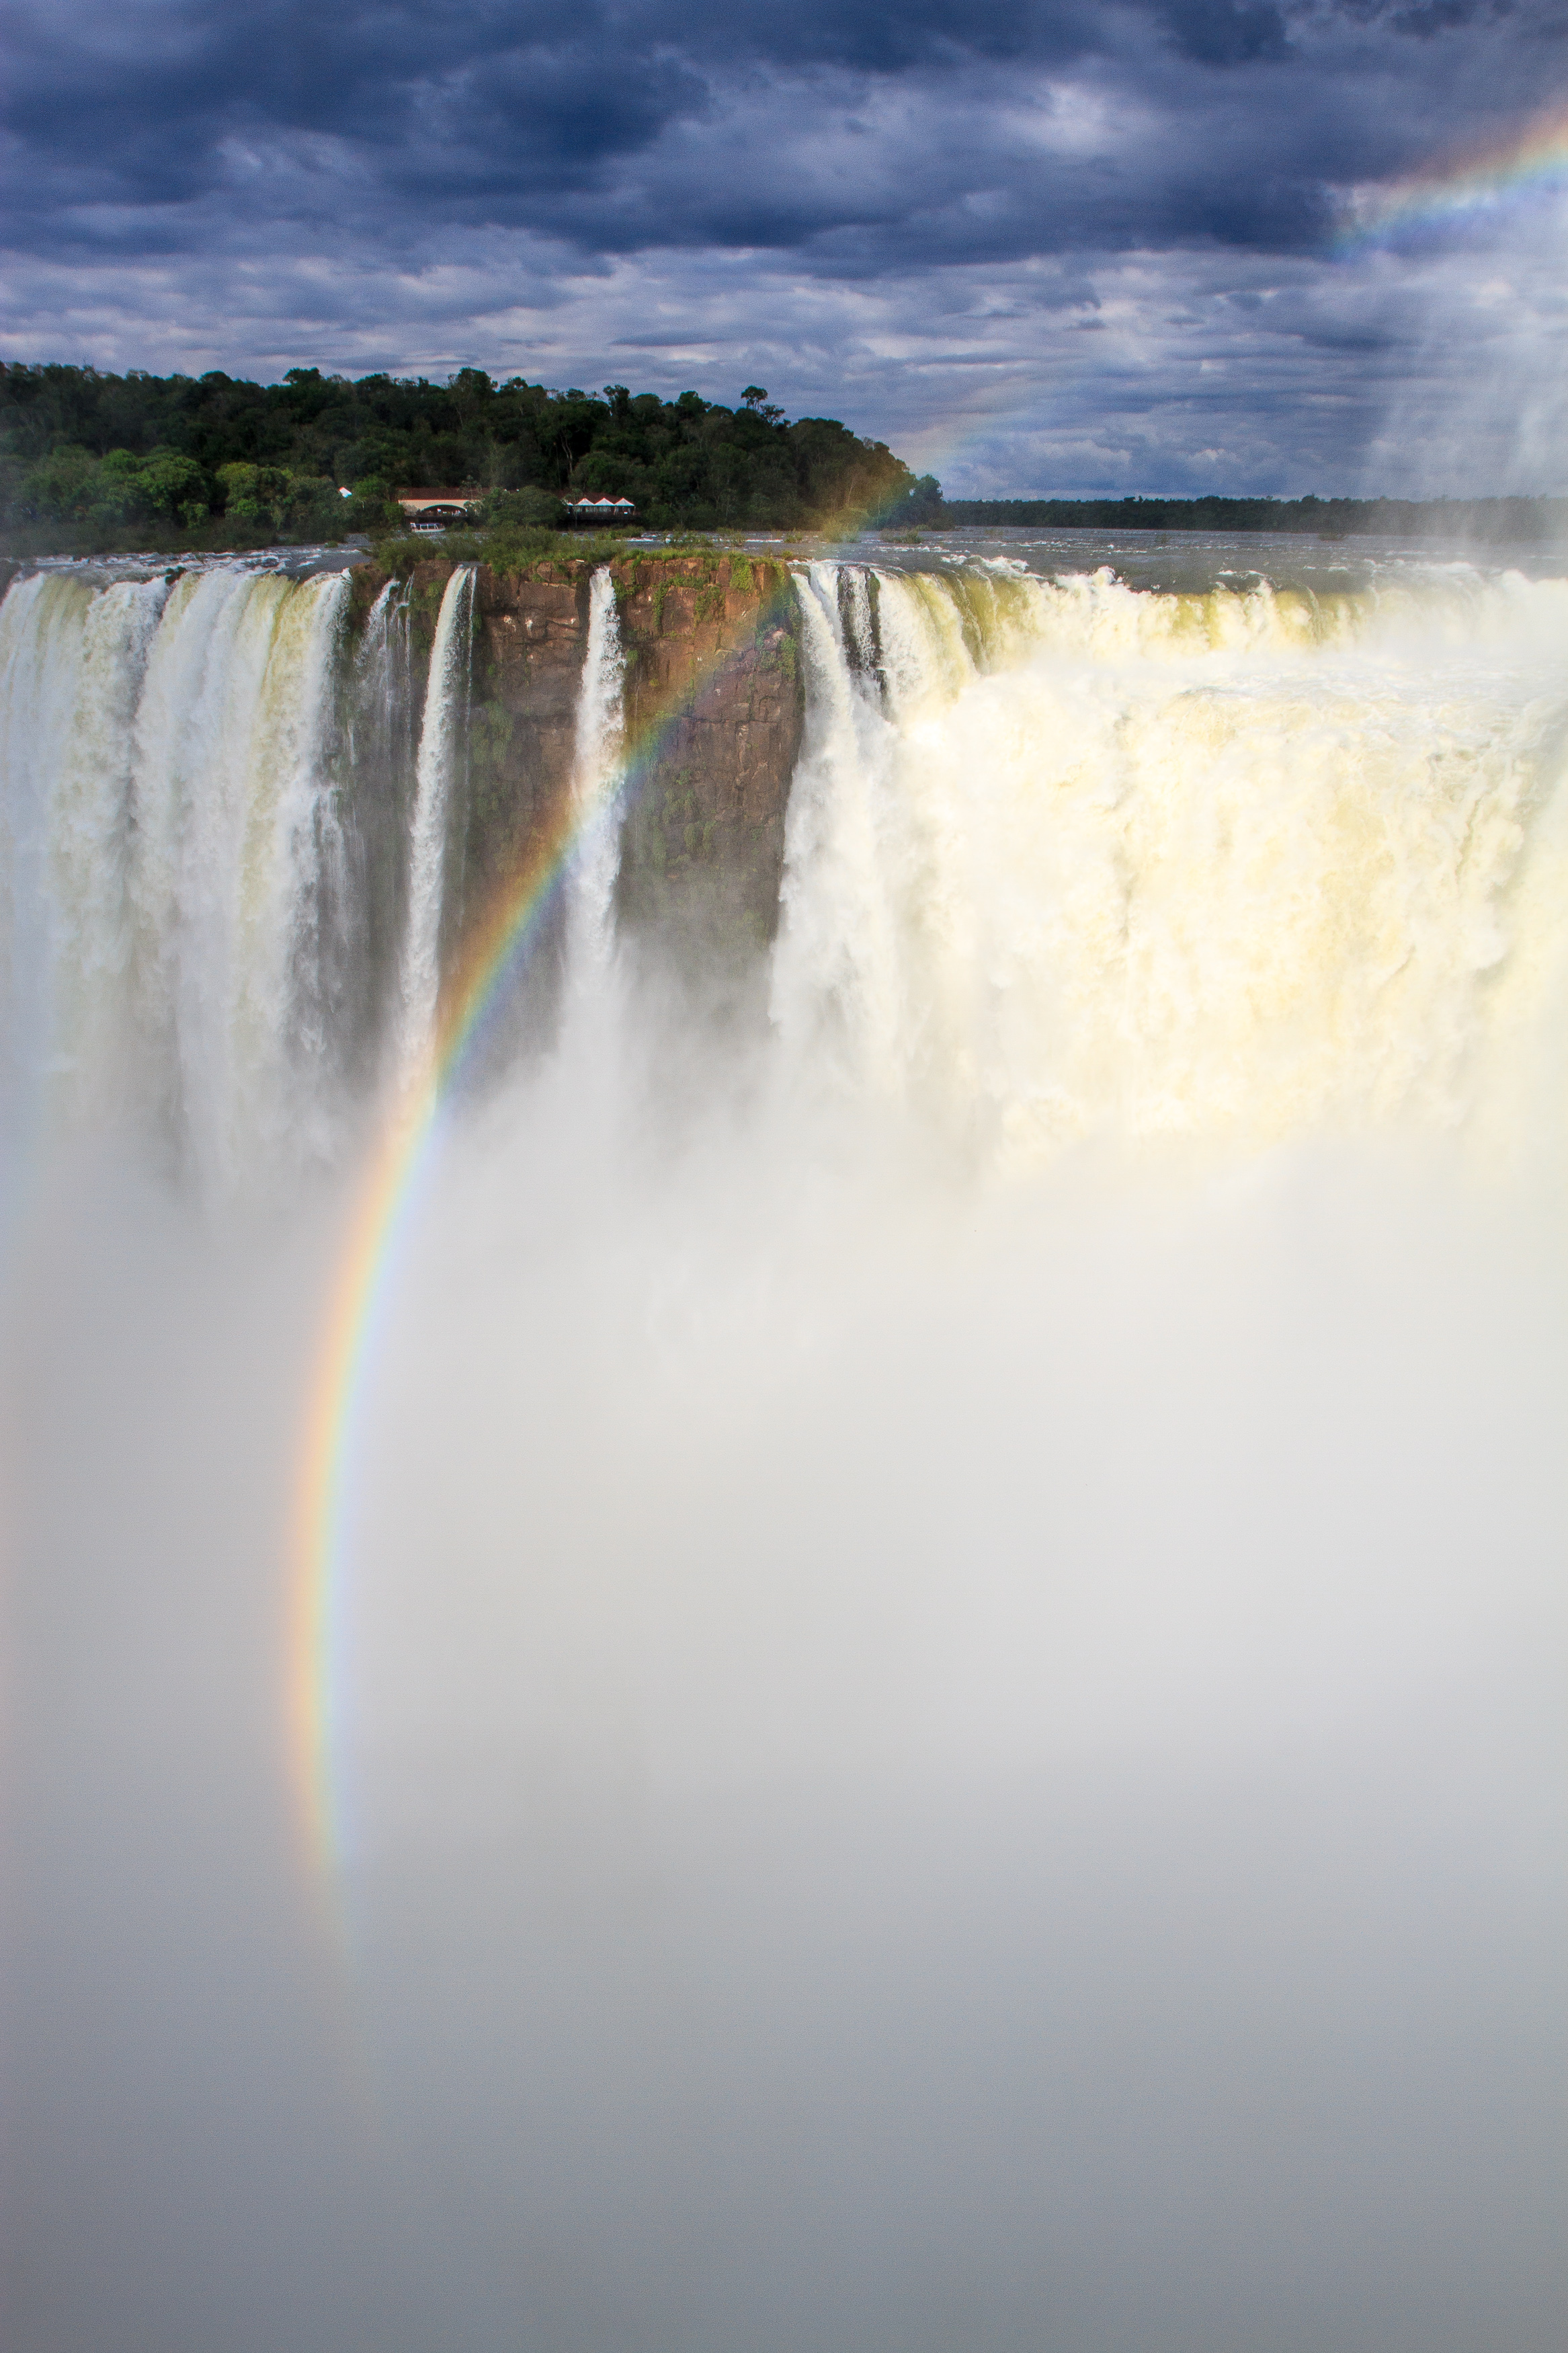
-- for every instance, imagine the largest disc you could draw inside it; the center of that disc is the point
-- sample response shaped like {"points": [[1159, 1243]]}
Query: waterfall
{"points": [[165, 806], [381, 708], [365, 910], [383, 654], [1062, 859], [441, 751], [594, 791], [72, 664], [1066, 859], [229, 772], [835, 977]]}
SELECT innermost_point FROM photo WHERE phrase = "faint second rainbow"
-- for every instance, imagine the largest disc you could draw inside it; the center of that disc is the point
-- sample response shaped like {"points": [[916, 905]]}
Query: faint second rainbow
{"points": [[1533, 155], [495, 952]]}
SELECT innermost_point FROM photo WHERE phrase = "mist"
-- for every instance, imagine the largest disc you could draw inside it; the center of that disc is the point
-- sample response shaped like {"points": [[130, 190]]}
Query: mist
{"points": [[918, 1768]]}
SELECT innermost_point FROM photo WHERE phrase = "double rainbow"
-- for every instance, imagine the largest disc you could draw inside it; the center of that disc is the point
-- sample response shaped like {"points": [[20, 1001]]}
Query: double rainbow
{"points": [[496, 951]]}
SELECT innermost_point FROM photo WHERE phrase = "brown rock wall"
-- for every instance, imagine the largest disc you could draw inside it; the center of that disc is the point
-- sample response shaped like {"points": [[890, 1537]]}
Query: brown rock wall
{"points": [[714, 712], [529, 642]]}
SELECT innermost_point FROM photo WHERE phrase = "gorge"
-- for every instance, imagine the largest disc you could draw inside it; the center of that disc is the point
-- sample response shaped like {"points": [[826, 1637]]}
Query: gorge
{"points": [[782, 1474]]}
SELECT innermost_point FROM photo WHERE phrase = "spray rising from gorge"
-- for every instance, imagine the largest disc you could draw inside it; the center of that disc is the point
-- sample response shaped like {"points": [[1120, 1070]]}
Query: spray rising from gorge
{"points": [[926, 1679]]}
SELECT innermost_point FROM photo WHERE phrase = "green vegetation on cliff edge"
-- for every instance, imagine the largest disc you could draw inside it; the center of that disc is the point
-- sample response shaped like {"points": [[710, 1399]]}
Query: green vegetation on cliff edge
{"points": [[92, 462]]}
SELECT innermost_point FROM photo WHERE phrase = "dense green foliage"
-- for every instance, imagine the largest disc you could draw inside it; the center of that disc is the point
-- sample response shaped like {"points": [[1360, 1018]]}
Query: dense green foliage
{"points": [[91, 461], [219, 459], [1483, 519]]}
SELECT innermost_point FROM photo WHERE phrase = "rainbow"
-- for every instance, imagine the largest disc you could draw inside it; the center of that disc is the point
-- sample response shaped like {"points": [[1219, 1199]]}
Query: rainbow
{"points": [[1533, 156], [365, 1278]]}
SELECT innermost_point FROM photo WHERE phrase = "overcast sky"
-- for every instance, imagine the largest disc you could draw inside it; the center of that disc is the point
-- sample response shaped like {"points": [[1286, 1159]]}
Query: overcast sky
{"points": [[1057, 247]]}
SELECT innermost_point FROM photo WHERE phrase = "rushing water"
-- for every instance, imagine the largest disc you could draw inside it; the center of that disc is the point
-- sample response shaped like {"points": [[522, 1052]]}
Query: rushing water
{"points": [[429, 862], [1067, 858], [169, 850], [598, 754], [947, 1696]]}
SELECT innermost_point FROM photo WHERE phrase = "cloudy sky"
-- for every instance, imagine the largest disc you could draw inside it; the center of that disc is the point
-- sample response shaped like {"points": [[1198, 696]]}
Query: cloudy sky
{"points": [[1037, 244]]}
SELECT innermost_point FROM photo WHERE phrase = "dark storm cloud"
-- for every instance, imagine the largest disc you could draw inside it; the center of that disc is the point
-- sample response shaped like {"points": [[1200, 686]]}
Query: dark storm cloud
{"points": [[928, 217], [609, 128]]}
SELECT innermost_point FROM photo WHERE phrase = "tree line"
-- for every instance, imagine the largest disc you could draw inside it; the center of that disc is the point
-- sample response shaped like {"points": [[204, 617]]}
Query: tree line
{"points": [[1518, 519], [218, 457]]}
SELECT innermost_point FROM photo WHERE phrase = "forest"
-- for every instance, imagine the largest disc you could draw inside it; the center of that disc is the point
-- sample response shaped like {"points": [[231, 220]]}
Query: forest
{"points": [[91, 459], [92, 462]]}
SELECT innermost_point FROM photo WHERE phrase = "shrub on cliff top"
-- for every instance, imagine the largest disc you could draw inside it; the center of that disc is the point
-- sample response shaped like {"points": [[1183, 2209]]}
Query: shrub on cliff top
{"points": [[507, 550]]}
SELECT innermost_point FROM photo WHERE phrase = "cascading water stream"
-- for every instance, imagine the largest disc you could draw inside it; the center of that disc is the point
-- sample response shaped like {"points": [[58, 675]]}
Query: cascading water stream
{"points": [[441, 751], [1078, 860], [167, 808], [71, 668], [380, 711], [595, 781], [384, 649], [231, 733], [835, 980]]}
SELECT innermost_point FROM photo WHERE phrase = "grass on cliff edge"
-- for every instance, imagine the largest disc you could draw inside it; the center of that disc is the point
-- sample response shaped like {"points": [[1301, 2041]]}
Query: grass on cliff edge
{"points": [[506, 548], [510, 550]]}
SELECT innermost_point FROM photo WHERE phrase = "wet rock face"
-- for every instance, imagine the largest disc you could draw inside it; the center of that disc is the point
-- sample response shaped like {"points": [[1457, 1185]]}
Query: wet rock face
{"points": [[714, 707], [714, 710], [529, 640]]}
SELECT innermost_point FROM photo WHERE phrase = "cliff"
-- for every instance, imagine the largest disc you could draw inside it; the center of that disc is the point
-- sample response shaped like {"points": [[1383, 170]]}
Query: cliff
{"points": [[714, 710]]}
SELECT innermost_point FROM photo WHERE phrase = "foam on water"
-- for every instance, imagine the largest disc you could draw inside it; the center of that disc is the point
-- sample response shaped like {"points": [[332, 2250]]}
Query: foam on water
{"points": [[1071, 861]]}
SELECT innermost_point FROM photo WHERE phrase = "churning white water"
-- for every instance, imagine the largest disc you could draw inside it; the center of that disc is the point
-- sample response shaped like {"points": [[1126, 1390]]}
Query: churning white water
{"points": [[440, 744], [1068, 860], [73, 667], [166, 767], [596, 852], [1065, 860], [948, 1685]]}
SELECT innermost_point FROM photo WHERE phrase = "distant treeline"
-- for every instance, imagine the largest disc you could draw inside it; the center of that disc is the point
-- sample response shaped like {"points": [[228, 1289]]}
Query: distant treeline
{"points": [[1460, 519], [104, 454]]}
